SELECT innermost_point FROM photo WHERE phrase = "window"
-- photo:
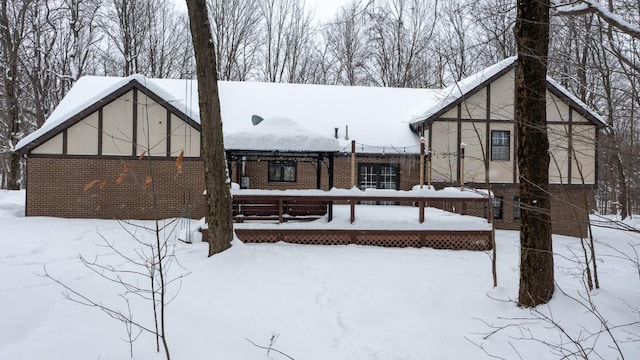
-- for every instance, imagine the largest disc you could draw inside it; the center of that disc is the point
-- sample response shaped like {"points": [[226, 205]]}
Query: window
{"points": [[516, 207], [378, 176], [500, 145], [496, 202], [282, 170]]}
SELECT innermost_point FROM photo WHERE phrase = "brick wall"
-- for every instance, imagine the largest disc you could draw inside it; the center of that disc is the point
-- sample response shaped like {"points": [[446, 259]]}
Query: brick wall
{"points": [[257, 171], [55, 187], [568, 214]]}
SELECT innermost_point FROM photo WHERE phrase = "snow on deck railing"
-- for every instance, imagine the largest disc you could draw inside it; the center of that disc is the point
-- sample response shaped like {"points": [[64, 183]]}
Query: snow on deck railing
{"points": [[429, 193]]}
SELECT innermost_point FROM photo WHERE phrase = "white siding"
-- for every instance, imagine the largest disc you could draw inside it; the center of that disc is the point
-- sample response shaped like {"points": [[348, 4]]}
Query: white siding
{"points": [[474, 138], [584, 153], [152, 127], [51, 146], [82, 137], [558, 154], [184, 137], [502, 97], [444, 151], [557, 110], [475, 106], [117, 126]]}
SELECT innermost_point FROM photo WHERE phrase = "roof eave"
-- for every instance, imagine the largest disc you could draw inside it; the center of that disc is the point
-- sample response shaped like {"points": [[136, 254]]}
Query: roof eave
{"points": [[430, 119], [586, 113]]}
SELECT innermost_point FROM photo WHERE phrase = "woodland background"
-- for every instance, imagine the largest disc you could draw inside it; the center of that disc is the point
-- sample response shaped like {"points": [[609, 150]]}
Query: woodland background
{"points": [[46, 45]]}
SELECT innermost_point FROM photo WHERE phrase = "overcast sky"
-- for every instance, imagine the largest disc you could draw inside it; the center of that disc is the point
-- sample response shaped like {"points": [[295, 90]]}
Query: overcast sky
{"points": [[325, 9]]}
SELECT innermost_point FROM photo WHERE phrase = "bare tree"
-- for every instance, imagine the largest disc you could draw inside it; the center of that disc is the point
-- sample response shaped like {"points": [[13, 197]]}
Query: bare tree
{"points": [[536, 251], [400, 31], [124, 24], [605, 12], [454, 41], [79, 41], [599, 61], [13, 30], [236, 29], [346, 41], [218, 195], [288, 39], [167, 43], [494, 21]]}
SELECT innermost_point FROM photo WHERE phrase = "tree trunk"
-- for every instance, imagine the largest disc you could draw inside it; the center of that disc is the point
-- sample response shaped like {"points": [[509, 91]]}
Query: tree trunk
{"points": [[622, 180], [218, 195], [10, 45], [536, 254]]}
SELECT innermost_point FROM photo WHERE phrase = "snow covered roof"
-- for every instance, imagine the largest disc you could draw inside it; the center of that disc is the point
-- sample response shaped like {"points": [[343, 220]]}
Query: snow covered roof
{"points": [[282, 134], [455, 93], [377, 118]]}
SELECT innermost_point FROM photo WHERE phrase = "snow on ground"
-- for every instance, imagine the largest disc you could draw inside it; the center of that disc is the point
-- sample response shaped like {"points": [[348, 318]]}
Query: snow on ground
{"points": [[325, 302]]}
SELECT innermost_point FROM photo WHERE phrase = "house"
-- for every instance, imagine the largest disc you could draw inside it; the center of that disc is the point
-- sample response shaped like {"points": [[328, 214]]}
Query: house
{"points": [[109, 137], [479, 112]]}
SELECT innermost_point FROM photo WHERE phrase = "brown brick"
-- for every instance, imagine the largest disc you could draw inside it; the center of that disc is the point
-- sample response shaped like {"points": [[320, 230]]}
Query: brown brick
{"points": [[55, 187]]}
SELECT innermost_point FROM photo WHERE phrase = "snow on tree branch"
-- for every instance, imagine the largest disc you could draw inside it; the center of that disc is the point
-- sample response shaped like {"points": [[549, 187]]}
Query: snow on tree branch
{"points": [[581, 7]]}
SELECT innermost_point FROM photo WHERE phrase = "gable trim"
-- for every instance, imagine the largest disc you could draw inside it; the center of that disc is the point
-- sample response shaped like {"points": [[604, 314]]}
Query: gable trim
{"points": [[552, 88], [134, 123], [465, 96], [574, 106], [98, 106], [100, 130]]}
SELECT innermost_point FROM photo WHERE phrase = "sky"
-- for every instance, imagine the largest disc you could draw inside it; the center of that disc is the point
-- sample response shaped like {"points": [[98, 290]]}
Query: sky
{"points": [[325, 9]]}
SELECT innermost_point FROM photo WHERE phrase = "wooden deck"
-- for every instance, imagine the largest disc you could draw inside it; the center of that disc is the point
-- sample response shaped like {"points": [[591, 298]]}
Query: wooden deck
{"points": [[264, 216]]}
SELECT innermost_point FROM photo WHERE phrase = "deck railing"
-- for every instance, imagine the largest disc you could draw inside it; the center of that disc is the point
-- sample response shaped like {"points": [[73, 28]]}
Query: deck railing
{"points": [[286, 205]]}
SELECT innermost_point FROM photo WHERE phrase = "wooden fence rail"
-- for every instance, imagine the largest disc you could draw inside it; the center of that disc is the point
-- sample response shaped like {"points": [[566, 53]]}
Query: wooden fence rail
{"points": [[285, 206]]}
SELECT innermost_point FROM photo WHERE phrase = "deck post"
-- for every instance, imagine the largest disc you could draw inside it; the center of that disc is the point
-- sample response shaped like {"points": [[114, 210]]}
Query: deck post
{"points": [[429, 169], [421, 162], [352, 204], [281, 210], [319, 173], [462, 146], [353, 163], [421, 206], [330, 181]]}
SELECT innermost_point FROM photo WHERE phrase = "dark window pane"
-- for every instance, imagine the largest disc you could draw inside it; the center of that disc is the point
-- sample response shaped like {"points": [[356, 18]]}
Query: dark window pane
{"points": [[289, 173], [496, 202], [282, 171], [378, 176]]}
